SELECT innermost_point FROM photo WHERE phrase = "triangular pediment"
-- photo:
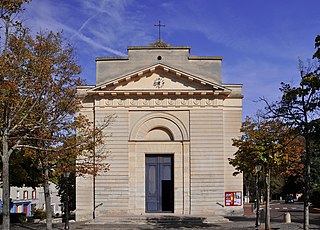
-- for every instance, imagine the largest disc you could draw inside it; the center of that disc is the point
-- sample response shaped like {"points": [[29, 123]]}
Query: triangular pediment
{"points": [[159, 78]]}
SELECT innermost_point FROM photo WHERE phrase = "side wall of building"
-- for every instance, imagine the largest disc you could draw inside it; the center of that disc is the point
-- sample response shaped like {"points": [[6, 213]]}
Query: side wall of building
{"points": [[112, 187], [84, 184], [207, 160], [232, 120]]}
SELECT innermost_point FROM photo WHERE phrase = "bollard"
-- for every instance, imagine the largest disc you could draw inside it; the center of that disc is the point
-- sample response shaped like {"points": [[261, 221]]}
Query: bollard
{"points": [[287, 217]]}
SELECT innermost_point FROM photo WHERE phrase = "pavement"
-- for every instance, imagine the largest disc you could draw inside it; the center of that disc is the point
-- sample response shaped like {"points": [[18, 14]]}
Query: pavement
{"points": [[231, 222], [246, 222]]}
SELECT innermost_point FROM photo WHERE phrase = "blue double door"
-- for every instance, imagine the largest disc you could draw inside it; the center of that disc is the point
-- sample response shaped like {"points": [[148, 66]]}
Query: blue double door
{"points": [[159, 183]]}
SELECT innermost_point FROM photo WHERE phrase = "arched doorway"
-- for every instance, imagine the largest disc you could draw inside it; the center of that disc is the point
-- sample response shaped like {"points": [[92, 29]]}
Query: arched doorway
{"points": [[159, 163]]}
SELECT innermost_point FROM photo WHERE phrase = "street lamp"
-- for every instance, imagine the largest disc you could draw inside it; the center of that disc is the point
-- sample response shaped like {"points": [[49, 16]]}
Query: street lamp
{"points": [[66, 206], [258, 168]]}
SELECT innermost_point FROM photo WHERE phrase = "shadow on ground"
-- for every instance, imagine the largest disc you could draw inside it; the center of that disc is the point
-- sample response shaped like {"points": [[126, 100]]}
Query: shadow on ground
{"points": [[178, 222], [241, 218]]}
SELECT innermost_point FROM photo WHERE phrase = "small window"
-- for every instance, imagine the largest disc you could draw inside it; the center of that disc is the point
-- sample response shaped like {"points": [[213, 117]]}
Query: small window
{"points": [[159, 58], [18, 194], [34, 194], [25, 195]]}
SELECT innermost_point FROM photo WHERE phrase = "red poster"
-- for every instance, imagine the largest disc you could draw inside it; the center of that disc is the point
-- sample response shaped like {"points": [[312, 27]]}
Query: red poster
{"points": [[229, 199], [233, 198]]}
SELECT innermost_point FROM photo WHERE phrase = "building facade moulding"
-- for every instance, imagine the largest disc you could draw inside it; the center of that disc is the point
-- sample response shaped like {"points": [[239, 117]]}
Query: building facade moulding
{"points": [[157, 102], [106, 86], [159, 120]]}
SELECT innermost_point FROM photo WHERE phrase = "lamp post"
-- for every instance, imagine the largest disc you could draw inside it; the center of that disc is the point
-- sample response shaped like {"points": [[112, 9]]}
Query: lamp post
{"points": [[258, 168], [66, 205]]}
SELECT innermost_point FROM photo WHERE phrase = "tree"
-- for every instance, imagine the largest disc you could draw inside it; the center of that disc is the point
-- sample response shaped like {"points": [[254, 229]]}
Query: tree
{"points": [[39, 104], [66, 188], [60, 153], [268, 143], [8, 9], [24, 171], [299, 108]]}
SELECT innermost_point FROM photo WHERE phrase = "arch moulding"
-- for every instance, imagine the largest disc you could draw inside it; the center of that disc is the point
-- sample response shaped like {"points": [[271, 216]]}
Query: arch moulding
{"points": [[160, 120]]}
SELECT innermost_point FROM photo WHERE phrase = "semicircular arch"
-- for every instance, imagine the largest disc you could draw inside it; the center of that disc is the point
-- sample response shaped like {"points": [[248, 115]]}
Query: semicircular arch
{"points": [[159, 121]]}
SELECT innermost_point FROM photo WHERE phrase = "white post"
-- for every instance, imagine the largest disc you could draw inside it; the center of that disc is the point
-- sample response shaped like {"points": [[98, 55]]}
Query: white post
{"points": [[287, 217]]}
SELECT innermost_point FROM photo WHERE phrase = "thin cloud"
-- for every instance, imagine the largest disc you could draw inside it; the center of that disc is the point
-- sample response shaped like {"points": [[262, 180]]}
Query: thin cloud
{"points": [[84, 25], [260, 43], [58, 19], [96, 45]]}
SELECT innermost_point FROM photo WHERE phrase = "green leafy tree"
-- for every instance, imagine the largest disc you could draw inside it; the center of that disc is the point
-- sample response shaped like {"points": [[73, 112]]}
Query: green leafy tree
{"points": [[268, 143], [24, 171], [67, 191], [299, 108], [277, 183]]}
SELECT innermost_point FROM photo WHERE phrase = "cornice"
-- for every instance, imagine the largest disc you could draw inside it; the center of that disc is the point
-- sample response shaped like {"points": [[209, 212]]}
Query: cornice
{"points": [[151, 69], [164, 93]]}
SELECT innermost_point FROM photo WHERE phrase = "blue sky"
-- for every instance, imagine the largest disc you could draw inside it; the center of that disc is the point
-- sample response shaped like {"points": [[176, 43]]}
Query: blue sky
{"points": [[260, 41]]}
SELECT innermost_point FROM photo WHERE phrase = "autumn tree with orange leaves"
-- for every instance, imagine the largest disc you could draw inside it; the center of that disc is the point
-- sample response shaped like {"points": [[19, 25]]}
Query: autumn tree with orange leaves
{"points": [[272, 145], [38, 106]]}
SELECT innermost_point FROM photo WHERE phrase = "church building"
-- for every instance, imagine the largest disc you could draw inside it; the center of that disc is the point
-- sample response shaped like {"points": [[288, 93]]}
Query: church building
{"points": [[169, 143]]}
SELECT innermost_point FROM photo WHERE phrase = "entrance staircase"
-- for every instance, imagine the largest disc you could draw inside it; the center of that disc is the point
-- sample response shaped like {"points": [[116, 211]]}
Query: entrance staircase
{"points": [[157, 221]]}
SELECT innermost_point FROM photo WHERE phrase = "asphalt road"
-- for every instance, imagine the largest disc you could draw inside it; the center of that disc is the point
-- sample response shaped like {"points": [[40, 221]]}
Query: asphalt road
{"points": [[278, 211]]}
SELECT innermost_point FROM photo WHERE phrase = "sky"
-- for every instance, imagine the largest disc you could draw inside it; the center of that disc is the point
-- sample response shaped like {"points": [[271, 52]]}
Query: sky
{"points": [[260, 41]]}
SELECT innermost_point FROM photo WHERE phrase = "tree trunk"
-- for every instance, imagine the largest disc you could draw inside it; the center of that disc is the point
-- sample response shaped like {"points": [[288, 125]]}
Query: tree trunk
{"points": [[47, 198], [6, 184], [5, 150], [257, 200], [247, 186], [267, 220], [306, 210], [306, 224]]}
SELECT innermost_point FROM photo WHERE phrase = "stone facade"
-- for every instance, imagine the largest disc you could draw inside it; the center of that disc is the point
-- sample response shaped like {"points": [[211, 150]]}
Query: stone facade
{"points": [[166, 103]]}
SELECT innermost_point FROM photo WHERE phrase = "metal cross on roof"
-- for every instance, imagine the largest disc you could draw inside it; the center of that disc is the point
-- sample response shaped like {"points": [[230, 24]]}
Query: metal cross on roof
{"points": [[159, 25]]}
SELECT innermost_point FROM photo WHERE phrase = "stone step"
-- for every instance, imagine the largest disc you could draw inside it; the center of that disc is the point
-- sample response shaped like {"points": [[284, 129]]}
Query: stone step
{"points": [[157, 219]]}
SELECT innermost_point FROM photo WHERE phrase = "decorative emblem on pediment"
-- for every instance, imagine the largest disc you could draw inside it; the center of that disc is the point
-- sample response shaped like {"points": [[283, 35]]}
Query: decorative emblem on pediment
{"points": [[159, 82]]}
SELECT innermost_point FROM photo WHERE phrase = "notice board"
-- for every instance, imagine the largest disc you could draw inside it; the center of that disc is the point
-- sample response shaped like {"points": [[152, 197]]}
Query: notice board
{"points": [[233, 198]]}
